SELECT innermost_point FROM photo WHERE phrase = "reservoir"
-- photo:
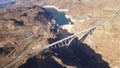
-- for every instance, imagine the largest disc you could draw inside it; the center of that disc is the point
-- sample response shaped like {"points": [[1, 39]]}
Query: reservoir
{"points": [[58, 16]]}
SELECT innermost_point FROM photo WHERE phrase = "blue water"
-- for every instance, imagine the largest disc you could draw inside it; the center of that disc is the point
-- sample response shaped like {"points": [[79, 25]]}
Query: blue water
{"points": [[4, 3], [58, 16]]}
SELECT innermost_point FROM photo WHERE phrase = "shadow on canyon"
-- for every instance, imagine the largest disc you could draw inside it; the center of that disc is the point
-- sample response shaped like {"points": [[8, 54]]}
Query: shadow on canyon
{"points": [[78, 54]]}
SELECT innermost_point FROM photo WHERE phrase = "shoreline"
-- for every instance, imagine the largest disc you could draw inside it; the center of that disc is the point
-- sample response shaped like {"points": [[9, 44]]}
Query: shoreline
{"points": [[61, 10], [70, 23]]}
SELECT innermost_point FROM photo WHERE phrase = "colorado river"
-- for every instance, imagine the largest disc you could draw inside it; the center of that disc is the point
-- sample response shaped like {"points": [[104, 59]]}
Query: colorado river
{"points": [[58, 15]]}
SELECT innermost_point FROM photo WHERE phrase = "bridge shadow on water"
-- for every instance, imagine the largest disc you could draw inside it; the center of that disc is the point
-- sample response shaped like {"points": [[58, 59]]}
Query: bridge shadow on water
{"points": [[78, 54]]}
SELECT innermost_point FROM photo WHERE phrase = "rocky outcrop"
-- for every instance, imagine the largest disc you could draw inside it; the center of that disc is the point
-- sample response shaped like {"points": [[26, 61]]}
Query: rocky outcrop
{"points": [[21, 32]]}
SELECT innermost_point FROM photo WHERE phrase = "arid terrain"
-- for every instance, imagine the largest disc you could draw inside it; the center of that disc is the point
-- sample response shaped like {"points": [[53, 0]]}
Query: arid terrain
{"points": [[24, 27]]}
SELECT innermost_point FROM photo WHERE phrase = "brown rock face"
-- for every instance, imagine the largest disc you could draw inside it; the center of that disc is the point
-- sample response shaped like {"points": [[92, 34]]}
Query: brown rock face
{"points": [[20, 32]]}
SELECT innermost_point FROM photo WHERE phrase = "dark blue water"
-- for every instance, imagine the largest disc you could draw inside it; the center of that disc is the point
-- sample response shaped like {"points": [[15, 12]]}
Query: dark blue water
{"points": [[58, 16]]}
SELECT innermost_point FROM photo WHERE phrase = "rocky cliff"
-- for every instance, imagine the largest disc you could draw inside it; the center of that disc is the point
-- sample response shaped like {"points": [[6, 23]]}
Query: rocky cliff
{"points": [[21, 31]]}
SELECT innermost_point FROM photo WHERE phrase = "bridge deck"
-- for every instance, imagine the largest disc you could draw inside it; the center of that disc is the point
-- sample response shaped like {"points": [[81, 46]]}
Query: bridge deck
{"points": [[92, 28]]}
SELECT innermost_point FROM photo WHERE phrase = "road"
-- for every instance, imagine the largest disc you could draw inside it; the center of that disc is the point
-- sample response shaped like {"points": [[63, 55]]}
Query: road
{"points": [[38, 48]]}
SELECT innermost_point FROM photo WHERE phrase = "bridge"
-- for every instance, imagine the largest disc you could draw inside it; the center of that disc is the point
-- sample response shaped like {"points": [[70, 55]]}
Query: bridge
{"points": [[61, 43], [6, 1], [67, 41]]}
